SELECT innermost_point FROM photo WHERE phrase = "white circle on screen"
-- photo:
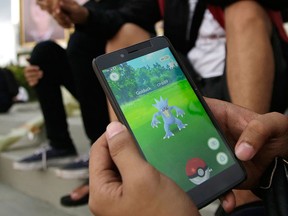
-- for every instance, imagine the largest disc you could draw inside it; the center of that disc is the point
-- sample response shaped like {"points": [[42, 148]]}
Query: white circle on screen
{"points": [[114, 76], [213, 143], [222, 158]]}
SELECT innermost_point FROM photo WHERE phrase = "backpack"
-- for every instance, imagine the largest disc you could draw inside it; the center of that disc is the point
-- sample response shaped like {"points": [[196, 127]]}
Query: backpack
{"points": [[8, 89]]}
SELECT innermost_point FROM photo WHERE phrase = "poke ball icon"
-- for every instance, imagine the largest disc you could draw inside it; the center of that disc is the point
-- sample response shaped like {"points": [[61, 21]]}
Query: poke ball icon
{"points": [[197, 171]]}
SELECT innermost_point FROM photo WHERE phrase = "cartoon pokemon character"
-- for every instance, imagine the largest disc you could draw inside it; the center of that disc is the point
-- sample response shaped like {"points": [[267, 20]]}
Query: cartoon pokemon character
{"points": [[167, 116], [197, 171]]}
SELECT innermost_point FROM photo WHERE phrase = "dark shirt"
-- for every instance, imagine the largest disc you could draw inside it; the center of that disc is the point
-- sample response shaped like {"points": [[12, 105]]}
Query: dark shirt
{"points": [[107, 16]]}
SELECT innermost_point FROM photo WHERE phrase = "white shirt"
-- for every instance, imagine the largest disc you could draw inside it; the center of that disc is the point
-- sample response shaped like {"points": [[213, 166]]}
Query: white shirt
{"points": [[208, 55]]}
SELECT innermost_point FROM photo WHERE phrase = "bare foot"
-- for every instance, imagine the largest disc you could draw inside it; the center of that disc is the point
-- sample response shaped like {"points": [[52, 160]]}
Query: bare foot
{"points": [[80, 192]]}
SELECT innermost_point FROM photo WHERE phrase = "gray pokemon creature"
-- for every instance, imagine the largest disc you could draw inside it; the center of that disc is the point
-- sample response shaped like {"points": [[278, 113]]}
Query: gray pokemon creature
{"points": [[167, 116]]}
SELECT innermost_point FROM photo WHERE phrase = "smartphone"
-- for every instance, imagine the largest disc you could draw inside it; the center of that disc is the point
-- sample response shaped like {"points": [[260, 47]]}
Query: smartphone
{"points": [[154, 96]]}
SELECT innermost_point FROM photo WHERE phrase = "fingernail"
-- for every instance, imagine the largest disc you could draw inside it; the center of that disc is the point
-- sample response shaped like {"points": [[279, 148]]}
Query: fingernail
{"points": [[244, 151], [113, 129]]}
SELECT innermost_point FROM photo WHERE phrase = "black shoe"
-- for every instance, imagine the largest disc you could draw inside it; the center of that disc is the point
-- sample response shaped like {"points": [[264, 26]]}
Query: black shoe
{"points": [[75, 170], [44, 157]]}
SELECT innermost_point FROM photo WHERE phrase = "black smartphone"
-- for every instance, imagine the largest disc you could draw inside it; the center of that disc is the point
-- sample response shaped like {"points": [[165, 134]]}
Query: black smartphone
{"points": [[154, 96]]}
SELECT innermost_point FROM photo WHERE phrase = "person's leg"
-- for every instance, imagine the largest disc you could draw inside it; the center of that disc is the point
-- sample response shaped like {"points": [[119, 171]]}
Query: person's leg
{"points": [[81, 50], [52, 60], [250, 64], [128, 35]]}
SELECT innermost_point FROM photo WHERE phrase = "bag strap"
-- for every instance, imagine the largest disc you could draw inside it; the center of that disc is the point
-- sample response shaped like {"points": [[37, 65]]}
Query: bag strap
{"points": [[197, 19], [161, 4]]}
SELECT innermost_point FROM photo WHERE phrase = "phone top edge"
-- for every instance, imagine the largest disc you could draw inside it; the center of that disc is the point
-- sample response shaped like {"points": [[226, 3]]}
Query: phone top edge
{"points": [[128, 53]]}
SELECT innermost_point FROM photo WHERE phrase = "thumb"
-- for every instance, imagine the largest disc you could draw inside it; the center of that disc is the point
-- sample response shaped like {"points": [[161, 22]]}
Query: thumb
{"points": [[123, 150], [261, 131]]}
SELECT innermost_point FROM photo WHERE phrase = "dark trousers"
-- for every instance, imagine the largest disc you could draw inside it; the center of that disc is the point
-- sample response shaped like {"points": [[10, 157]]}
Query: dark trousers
{"points": [[71, 68]]}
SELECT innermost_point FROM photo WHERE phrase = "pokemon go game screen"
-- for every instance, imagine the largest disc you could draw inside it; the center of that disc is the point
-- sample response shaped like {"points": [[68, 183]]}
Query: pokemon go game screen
{"points": [[171, 126]]}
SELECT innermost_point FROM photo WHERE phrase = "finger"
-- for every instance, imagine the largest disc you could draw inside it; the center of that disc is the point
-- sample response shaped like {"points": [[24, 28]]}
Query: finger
{"points": [[104, 182], [33, 72], [33, 81], [68, 6], [230, 116], [32, 75], [101, 166], [232, 119], [123, 151], [100, 160], [258, 132], [31, 67], [44, 5], [228, 201], [62, 19], [28, 59]]}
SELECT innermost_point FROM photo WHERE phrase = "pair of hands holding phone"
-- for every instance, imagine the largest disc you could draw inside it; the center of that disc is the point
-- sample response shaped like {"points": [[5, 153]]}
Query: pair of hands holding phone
{"points": [[123, 183]]}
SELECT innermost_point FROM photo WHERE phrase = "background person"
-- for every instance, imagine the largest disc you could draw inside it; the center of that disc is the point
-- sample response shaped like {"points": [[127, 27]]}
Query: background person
{"points": [[52, 66]]}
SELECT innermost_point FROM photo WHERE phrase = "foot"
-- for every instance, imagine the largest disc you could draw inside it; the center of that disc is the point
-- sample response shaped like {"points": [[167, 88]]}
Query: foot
{"points": [[77, 197], [44, 157], [75, 170]]}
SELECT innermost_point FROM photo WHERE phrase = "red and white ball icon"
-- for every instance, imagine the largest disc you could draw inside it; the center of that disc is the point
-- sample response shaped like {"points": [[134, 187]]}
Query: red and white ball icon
{"points": [[197, 171]]}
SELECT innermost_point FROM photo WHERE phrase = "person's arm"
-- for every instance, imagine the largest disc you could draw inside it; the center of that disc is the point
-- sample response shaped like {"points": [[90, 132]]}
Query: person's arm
{"points": [[122, 183]]}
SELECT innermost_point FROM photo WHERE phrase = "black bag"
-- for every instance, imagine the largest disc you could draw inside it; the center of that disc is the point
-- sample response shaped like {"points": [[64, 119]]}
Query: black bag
{"points": [[8, 89], [279, 100]]}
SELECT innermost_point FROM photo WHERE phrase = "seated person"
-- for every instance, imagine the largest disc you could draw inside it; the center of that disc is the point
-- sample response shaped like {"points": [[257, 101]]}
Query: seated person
{"points": [[52, 67]]}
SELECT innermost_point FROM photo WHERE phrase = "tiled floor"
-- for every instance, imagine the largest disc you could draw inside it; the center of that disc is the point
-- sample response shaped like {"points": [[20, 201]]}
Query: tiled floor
{"points": [[14, 203]]}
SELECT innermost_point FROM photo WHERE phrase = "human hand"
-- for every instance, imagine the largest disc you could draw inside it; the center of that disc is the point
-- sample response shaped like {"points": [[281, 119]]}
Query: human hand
{"points": [[258, 140], [76, 13], [33, 74], [48, 5], [62, 18], [70, 13], [53, 7], [122, 183]]}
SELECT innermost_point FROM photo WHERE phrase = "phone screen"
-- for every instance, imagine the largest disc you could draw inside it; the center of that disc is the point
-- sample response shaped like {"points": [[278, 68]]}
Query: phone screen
{"points": [[168, 120]]}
